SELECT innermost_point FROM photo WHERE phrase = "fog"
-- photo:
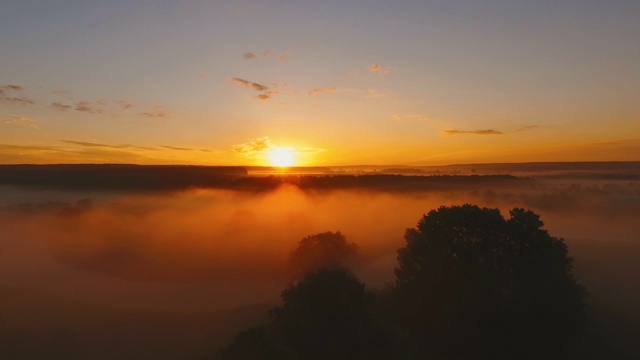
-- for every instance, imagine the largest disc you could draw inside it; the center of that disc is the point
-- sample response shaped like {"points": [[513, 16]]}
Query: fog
{"points": [[176, 274]]}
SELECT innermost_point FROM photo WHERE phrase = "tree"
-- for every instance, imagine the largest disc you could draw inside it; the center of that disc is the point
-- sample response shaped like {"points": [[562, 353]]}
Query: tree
{"points": [[327, 249], [252, 344], [472, 283], [327, 315]]}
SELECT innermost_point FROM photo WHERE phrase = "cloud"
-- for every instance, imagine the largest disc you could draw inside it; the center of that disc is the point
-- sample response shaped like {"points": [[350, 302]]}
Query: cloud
{"points": [[22, 121], [253, 146], [283, 57], [265, 96], [124, 105], [157, 113], [317, 91], [266, 92], [90, 144], [85, 106], [11, 88], [250, 56], [16, 101], [474, 132], [6, 98], [375, 68], [249, 84], [60, 106], [178, 148], [412, 117], [93, 144]]}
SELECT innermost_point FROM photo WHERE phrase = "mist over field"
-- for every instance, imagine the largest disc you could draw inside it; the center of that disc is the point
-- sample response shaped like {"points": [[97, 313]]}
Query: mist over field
{"points": [[175, 274]]}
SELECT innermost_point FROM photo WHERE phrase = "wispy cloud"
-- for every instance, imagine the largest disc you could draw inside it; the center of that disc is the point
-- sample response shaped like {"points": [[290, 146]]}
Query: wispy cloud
{"points": [[124, 105], [283, 57], [86, 106], [8, 96], [474, 132], [11, 88], [317, 91], [265, 92], [254, 146], [250, 84], [131, 147], [250, 56], [22, 121], [265, 96], [61, 107], [376, 68], [64, 102], [110, 146], [16, 101], [154, 115], [179, 148], [157, 113]]}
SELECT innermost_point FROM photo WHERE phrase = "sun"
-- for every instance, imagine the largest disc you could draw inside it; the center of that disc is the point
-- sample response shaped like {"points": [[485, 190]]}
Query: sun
{"points": [[282, 156]]}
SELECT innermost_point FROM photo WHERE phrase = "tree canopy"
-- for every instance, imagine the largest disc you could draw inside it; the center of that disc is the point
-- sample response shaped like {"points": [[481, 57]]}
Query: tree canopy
{"points": [[326, 249], [325, 316], [471, 282]]}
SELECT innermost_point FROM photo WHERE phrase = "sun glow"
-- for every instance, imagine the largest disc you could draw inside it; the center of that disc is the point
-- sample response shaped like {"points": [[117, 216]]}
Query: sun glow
{"points": [[282, 156]]}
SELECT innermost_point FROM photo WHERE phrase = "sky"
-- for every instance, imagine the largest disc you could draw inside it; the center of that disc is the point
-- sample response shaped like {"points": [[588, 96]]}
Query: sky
{"points": [[318, 82]]}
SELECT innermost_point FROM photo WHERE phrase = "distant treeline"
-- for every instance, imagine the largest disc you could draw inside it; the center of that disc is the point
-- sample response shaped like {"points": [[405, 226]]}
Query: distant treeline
{"points": [[593, 166], [118, 177], [175, 177]]}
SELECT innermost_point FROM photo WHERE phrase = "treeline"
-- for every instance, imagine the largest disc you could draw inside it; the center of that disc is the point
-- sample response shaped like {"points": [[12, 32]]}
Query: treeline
{"points": [[176, 177], [118, 177], [469, 284]]}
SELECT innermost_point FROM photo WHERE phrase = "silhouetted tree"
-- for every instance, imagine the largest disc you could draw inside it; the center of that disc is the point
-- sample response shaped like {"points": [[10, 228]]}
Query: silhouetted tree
{"points": [[473, 284], [325, 316], [327, 249]]}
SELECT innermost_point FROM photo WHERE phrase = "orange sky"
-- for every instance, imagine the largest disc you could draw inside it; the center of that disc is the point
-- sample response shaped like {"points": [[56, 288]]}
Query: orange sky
{"points": [[416, 83]]}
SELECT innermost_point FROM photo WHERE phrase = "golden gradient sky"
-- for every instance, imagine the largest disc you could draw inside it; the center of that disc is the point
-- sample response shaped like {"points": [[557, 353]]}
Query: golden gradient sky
{"points": [[340, 82]]}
